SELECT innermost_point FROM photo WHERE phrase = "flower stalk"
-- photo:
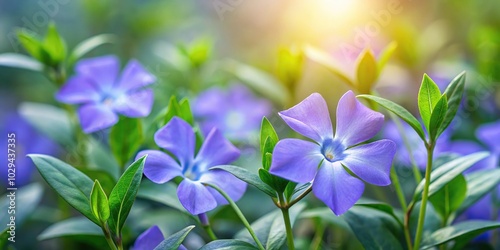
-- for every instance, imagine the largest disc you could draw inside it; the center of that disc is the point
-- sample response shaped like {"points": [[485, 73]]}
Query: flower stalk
{"points": [[286, 218]]}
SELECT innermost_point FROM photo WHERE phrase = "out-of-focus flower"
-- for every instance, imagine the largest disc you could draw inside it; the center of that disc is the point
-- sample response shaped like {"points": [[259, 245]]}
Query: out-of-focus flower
{"points": [[150, 239], [178, 138], [25, 140], [236, 112], [103, 94], [324, 159]]}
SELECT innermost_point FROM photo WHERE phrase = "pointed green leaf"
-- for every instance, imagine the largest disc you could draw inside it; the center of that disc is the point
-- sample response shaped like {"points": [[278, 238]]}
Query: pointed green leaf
{"points": [[399, 111], [72, 185], [367, 71], [76, 226], [173, 109], [99, 202], [175, 240], [20, 61], [54, 45], [450, 197], [277, 183], [437, 118], [460, 232], [380, 206], [125, 139], [228, 245], [122, 196], [267, 159], [88, 45], [267, 131], [384, 56], [185, 111], [31, 44], [454, 93], [249, 178], [324, 59], [479, 183], [428, 96], [290, 190]]}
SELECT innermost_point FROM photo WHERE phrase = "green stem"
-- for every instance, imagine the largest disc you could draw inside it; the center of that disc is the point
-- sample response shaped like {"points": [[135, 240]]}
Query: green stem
{"points": [[407, 225], [239, 213], [318, 237], [300, 197], [399, 190], [288, 225], [205, 223], [406, 142], [107, 235], [423, 205]]}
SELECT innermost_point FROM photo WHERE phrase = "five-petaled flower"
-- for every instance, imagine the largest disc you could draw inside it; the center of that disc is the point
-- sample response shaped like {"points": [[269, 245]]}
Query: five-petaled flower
{"points": [[325, 160], [102, 94], [178, 138]]}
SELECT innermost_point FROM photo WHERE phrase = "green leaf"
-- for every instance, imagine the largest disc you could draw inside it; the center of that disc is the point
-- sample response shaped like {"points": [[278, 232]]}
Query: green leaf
{"points": [[99, 157], [454, 93], [31, 44], [450, 197], [437, 118], [51, 121], [399, 111], [175, 240], [99, 203], [185, 111], [54, 45], [380, 206], [325, 214], [27, 199], [267, 133], [165, 194], [88, 45], [290, 190], [20, 61], [106, 181], [71, 227], [72, 185], [363, 221], [122, 196], [249, 178], [277, 183], [428, 96], [125, 139], [460, 233], [384, 56], [228, 245], [479, 183], [324, 59], [447, 172], [270, 229], [367, 71]]}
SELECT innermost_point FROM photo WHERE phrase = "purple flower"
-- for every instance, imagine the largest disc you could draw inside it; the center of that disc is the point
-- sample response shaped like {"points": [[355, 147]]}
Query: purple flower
{"points": [[150, 239], [178, 138], [103, 94], [236, 112], [325, 159]]}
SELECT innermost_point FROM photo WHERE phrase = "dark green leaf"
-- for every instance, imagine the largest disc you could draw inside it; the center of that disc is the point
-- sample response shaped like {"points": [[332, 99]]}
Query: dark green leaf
{"points": [[277, 183], [125, 138], [384, 56], [454, 93], [249, 178], [479, 184], [175, 240], [450, 197], [465, 231], [27, 199], [380, 206], [290, 190], [428, 96], [72, 185], [367, 71], [99, 202], [399, 111], [20, 61], [267, 131], [54, 45], [71, 227], [324, 59], [437, 118], [228, 245], [89, 44], [122, 196]]}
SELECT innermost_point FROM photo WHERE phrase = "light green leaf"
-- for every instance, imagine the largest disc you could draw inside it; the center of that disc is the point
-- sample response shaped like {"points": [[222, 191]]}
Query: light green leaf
{"points": [[248, 177], [125, 138], [450, 197], [99, 203], [437, 118], [71, 227], [54, 45], [324, 59], [479, 183], [367, 71], [461, 232], [175, 240], [267, 131], [27, 199], [20, 61], [428, 96], [72, 185], [122, 196], [89, 44], [228, 245], [185, 111], [454, 93], [384, 56], [31, 44], [399, 111]]}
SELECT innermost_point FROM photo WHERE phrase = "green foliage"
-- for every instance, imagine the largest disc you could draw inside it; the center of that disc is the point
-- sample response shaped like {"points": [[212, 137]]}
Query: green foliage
{"points": [[125, 139], [454, 93], [437, 118], [428, 96], [450, 197], [228, 245], [180, 109], [50, 51], [20, 61], [71, 227], [175, 240], [88, 45], [367, 71], [479, 183], [99, 203], [27, 199], [198, 52], [289, 66]]}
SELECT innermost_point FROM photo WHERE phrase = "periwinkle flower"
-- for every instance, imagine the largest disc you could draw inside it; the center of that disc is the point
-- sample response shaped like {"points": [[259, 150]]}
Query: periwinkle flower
{"points": [[150, 239], [325, 160], [103, 94], [178, 138], [237, 112]]}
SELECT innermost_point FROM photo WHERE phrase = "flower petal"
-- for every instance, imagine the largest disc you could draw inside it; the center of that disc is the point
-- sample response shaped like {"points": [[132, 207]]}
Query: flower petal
{"points": [[355, 122], [296, 160], [489, 134], [78, 90], [178, 138], [195, 197], [136, 104], [371, 162], [135, 76], [159, 167], [95, 117], [149, 239], [103, 71], [233, 186], [337, 188], [310, 118], [216, 150]]}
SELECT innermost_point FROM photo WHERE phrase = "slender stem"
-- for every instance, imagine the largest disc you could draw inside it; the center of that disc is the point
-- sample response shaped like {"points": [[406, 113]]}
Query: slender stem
{"points": [[399, 190], [107, 235], [239, 213], [318, 237], [205, 223], [423, 205], [288, 225], [407, 226], [300, 197], [406, 142]]}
